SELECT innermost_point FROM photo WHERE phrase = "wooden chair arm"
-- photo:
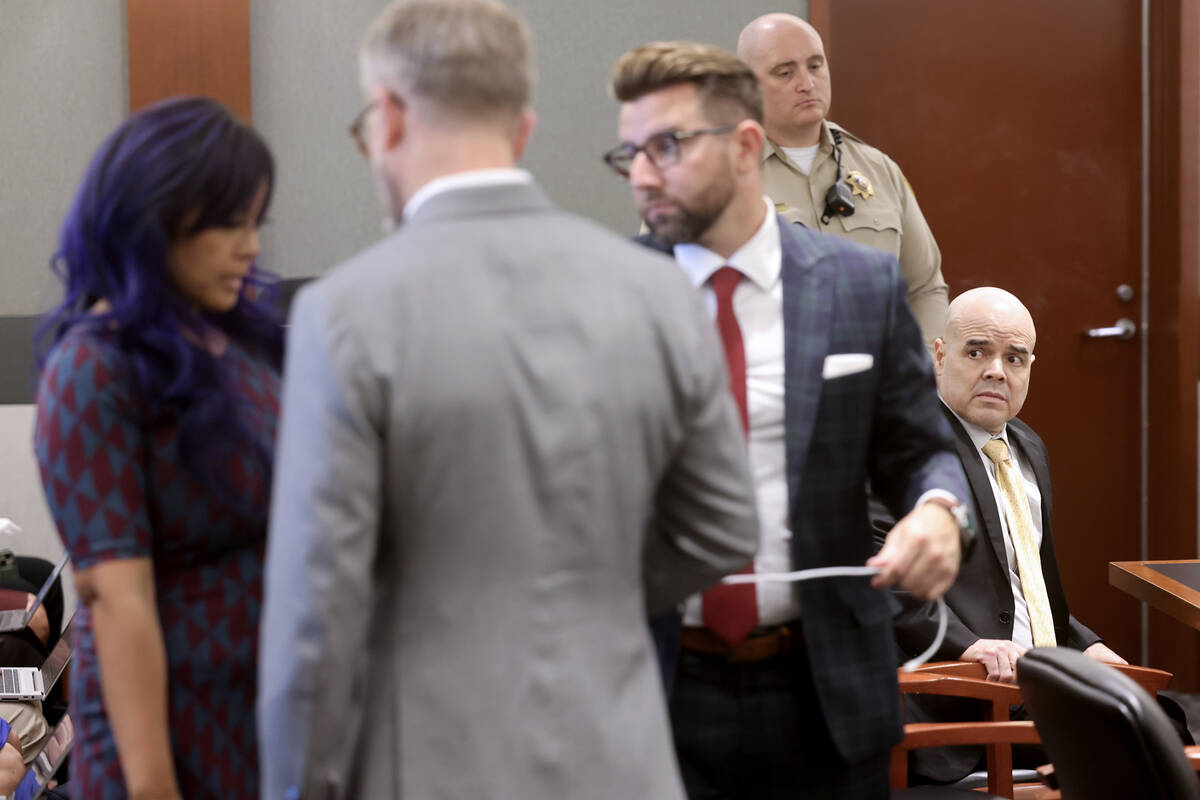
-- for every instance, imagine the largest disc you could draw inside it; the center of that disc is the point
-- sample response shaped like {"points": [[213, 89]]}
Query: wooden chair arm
{"points": [[1150, 679], [1192, 751], [956, 686], [962, 669], [948, 734]]}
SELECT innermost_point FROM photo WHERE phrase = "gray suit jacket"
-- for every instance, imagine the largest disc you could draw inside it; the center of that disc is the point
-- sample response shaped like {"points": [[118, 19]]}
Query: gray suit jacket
{"points": [[506, 437]]}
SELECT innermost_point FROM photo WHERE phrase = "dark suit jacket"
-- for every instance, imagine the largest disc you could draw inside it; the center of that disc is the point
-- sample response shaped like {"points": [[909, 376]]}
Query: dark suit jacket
{"points": [[980, 604], [882, 425]]}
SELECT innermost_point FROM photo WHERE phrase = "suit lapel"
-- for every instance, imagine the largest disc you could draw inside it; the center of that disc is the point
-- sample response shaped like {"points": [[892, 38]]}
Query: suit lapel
{"points": [[1036, 456], [807, 321], [981, 487]]}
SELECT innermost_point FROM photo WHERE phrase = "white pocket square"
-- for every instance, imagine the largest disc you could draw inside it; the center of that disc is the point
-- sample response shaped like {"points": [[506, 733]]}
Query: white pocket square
{"points": [[839, 365]]}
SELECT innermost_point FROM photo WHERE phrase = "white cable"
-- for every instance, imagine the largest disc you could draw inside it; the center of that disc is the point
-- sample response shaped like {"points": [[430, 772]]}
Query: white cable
{"points": [[839, 572]]}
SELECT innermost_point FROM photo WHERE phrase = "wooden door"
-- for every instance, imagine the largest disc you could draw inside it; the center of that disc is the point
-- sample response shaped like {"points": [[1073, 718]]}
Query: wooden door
{"points": [[1020, 126]]}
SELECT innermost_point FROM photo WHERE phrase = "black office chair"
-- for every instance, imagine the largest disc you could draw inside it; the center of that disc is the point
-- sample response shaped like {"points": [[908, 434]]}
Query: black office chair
{"points": [[1106, 736]]}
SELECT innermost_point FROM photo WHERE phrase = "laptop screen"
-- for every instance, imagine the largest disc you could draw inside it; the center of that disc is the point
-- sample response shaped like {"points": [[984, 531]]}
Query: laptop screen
{"points": [[41, 595], [57, 661]]}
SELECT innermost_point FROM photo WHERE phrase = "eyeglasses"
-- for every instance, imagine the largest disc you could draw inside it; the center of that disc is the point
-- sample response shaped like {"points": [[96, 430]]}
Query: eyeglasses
{"points": [[356, 127], [663, 149], [360, 122]]}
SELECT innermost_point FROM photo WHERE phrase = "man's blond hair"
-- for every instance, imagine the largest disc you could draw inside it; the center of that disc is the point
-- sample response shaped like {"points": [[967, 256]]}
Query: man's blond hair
{"points": [[469, 57], [729, 90]]}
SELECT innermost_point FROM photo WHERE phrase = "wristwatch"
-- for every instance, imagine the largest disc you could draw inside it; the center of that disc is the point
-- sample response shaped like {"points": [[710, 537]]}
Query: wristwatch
{"points": [[966, 527]]}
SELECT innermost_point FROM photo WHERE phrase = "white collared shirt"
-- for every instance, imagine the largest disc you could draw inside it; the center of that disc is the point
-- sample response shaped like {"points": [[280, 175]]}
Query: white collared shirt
{"points": [[1022, 632], [758, 306], [465, 180]]}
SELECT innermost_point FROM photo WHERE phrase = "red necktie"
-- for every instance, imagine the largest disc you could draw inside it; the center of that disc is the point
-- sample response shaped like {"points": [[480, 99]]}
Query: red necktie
{"points": [[731, 611]]}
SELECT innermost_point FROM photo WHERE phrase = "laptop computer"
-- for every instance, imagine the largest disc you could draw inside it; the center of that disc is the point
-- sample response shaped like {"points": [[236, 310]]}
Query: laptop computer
{"points": [[17, 618], [34, 683]]}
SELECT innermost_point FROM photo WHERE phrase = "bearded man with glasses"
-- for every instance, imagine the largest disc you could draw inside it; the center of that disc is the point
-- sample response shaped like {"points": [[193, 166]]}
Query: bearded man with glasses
{"points": [[789, 690]]}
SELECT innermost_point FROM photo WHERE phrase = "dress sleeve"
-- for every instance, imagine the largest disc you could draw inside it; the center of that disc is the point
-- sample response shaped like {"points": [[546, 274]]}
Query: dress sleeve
{"points": [[91, 451]]}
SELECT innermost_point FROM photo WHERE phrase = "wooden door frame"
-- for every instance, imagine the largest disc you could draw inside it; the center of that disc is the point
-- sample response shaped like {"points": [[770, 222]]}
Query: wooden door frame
{"points": [[1171, 324], [189, 47], [1173, 352]]}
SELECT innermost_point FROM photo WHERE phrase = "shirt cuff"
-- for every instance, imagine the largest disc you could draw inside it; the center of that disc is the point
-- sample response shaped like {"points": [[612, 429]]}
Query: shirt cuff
{"points": [[940, 496]]}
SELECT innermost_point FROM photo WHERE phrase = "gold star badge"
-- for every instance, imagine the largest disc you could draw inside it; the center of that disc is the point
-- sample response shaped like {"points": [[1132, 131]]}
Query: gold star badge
{"points": [[859, 185]]}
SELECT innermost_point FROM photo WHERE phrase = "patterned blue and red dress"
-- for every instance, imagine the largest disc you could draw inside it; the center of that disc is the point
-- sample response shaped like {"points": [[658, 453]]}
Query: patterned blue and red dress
{"points": [[117, 488]]}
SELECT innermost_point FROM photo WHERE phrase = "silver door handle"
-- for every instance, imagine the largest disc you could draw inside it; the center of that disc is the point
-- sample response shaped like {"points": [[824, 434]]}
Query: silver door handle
{"points": [[1123, 330]]}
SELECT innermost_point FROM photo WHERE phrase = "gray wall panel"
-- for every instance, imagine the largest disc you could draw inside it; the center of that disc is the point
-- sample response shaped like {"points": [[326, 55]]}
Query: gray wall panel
{"points": [[576, 45], [64, 88], [305, 92], [16, 361], [304, 85]]}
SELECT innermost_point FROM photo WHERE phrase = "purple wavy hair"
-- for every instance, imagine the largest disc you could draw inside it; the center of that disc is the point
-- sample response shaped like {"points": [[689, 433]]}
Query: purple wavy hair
{"points": [[169, 171]]}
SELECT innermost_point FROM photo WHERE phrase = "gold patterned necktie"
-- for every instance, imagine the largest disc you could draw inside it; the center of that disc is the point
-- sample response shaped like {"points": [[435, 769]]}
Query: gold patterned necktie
{"points": [[1020, 528]]}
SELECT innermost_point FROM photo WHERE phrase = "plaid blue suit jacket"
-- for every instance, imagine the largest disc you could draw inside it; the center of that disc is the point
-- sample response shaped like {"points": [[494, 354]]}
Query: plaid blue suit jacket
{"points": [[883, 426]]}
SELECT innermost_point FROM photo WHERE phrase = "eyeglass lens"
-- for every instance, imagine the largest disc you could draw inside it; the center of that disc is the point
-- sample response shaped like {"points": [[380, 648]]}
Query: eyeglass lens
{"points": [[662, 150]]}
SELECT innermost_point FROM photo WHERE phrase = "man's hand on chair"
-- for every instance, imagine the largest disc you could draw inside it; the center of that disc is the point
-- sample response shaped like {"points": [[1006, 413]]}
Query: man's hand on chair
{"points": [[998, 656], [1101, 652]]}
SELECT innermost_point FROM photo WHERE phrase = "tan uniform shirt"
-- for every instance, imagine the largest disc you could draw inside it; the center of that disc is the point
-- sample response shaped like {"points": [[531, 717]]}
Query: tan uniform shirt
{"points": [[888, 219]]}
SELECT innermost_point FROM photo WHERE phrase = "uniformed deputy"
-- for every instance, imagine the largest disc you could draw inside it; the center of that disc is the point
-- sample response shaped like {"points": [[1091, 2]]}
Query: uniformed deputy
{"points": [[800, 163]]}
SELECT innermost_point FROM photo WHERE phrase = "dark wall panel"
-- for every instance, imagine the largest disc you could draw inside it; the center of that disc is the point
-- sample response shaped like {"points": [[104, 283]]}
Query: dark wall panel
{"points": [[16, 349]]}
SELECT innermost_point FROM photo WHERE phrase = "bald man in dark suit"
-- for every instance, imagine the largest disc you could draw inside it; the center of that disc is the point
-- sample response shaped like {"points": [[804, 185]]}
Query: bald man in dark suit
{"points": [[998, 606]]}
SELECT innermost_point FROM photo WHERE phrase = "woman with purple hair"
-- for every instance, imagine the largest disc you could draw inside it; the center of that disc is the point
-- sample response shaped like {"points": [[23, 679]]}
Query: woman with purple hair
{"points": [[156, 414]]}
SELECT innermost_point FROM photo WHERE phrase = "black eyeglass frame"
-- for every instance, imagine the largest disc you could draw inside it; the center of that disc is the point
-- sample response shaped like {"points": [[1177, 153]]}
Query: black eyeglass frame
{"points": [[676, 139]]}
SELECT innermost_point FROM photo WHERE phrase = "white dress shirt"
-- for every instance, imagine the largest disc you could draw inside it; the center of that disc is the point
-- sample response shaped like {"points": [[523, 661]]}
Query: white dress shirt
{"points": [[465, 180], [758, 306], [1022, 631]]}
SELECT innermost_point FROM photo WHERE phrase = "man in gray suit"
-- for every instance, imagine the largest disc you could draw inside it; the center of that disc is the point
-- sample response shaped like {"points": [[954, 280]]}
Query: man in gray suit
{"points": [[507, 435]]}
